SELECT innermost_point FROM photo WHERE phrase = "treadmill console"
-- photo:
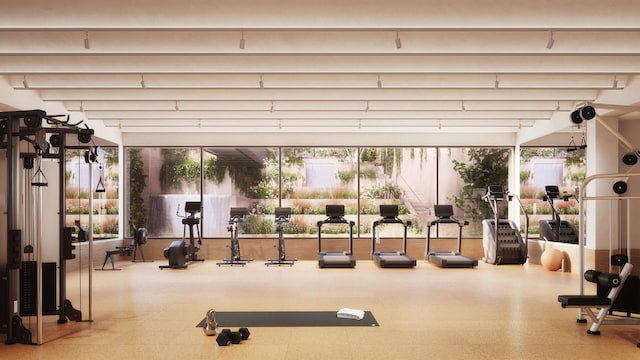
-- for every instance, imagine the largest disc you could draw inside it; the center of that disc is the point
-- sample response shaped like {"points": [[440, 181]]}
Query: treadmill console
{"points": [[282, 214], [389, 211], [334, 211]]}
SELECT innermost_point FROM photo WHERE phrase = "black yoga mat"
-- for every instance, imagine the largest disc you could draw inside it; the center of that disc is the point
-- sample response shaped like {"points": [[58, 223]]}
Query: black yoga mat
{"points": [[287, 319]]}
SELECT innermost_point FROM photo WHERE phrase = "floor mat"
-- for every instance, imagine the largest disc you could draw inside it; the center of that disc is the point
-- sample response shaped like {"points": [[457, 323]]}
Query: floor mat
{"points": [[287, 319]]}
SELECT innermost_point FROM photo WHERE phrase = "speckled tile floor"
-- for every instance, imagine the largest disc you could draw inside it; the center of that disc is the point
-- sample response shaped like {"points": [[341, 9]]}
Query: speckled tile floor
{"points": [[491, 312]]}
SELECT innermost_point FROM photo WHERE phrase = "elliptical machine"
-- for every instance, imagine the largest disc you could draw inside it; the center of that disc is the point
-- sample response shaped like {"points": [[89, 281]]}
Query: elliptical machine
{"points": [[282, 216], [237, 215], [180, 253]]}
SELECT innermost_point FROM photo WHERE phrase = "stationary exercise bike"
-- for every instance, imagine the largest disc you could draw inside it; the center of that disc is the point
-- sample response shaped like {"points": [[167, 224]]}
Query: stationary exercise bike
{"points": [[180, 253], [237, 215], [282, 216]]}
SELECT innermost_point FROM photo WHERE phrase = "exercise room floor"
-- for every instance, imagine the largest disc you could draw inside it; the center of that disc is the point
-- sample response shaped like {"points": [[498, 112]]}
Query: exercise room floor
{"points": [[491, 312]]}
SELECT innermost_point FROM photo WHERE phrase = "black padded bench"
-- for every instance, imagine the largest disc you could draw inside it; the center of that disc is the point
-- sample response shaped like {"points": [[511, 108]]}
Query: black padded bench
{"points": [[583, 300]]}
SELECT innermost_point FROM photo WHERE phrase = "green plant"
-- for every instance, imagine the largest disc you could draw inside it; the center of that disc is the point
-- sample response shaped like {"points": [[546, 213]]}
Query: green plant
{"points": [[368, 155], [387, 191], [137, 183], [346, 176], [178, 166], [483, 168]]}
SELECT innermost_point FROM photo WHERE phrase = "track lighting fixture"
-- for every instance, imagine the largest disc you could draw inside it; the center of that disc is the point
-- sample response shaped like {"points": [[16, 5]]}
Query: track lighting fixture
{"points": [[366, 109], [87, 43], [25, 84], [81, 106], [176, 108], [496, 83], [271, 108], [142, 83], [398, 41], [551, 40], [261, 83], [242, 40], [463, 107], [615, 82], [586, 112], [379, 82]]}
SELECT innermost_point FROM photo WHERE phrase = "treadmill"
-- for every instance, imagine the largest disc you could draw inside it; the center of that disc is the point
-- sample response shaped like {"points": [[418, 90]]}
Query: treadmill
{"points": [[335, 259], [448, 259], [390, 259]]}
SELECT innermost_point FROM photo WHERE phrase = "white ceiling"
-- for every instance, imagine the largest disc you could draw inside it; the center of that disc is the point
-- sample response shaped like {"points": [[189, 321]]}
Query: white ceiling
{"points": [[463, 66]]}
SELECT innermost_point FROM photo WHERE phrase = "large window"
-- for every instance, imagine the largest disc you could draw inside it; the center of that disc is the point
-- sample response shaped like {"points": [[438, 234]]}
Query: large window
{"points": [[306, 180], [102, 186], [312, 178], [540, 167], [160, 182]]}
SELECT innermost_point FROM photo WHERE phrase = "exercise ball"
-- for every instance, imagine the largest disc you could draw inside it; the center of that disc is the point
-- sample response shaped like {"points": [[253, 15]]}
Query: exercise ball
{"points": [[551, 259]]}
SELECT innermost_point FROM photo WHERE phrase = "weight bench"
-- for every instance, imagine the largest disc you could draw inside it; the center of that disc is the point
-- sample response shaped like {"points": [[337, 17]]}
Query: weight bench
{"points": [[597, 308]]}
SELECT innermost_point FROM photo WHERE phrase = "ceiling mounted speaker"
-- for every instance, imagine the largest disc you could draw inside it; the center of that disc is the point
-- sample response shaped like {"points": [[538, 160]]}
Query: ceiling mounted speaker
{"points": [[620, 187], [629, 159], [34, 122]]}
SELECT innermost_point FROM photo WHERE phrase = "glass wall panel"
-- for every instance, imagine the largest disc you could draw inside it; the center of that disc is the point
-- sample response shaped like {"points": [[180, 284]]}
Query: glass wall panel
{"points": [[161, 181], [540, 167], [464, 175], [315, 177], [402, 176], [240, 178], [78, 188], [308, 179]]}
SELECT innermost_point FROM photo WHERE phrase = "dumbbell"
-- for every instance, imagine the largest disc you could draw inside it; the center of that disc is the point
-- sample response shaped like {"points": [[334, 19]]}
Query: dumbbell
{"points": [[227, 336]]}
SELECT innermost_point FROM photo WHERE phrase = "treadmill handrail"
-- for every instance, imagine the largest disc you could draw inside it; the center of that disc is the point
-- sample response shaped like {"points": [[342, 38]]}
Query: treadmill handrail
{"points": [[389, 220], [336, 220], [449, 220]]}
